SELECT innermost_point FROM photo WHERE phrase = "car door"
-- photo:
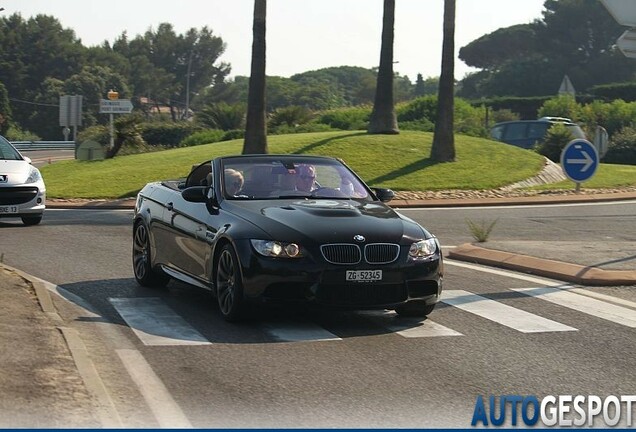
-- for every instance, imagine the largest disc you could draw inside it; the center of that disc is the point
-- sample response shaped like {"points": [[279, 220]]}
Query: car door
{"points": [[187, 222]]}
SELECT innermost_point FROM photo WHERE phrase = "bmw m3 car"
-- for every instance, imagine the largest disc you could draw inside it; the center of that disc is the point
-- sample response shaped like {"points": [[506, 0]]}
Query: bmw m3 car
{"points": [[255, 229], [22, 190]]}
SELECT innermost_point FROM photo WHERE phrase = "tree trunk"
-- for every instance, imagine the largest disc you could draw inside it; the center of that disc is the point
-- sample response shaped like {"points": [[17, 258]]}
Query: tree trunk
{"points": [[443, 149], [383, 119], [256, 126]]}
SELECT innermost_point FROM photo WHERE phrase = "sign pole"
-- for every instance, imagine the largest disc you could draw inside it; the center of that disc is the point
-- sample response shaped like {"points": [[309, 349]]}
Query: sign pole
{"points": [[112, 132]]}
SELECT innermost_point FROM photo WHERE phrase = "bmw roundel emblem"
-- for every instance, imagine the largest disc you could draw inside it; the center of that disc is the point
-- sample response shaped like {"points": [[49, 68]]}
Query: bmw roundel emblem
{"points": [[359, 238]]}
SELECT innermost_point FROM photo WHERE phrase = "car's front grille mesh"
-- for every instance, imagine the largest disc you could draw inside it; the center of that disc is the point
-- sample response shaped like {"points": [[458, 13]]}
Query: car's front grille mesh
{"points": [[347, 254], [17, 195], [341, 253], [381, 253]]}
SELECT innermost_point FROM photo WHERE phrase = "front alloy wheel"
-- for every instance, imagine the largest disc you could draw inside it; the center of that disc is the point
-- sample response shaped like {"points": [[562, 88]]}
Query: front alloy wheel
{"points": [[144, 274], [229, 285]]}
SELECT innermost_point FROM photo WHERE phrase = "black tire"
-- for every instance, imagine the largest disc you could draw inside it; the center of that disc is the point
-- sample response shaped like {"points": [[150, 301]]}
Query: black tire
{"points": [[31, 220], [145, 275], [415, 309], [229, 285]]}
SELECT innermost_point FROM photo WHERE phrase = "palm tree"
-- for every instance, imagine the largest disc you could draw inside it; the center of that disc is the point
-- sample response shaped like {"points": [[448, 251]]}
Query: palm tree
{"points": [[256, 125], [383, 119], [443, 149]]}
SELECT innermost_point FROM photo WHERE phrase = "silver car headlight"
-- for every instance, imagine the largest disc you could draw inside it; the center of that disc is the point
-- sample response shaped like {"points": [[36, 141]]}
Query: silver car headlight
{"points": [[276, 249], [34, 176], [423, 248]]}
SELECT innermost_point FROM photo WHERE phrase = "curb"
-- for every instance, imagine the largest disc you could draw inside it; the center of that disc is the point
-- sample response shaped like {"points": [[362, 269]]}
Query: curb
{"points": [[106, 411], [582, 275], [119, 204]]}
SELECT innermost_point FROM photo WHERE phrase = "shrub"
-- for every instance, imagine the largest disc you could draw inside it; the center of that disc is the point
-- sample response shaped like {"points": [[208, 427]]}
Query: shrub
{"points": [[233, 134], [555, 140], [622, 147], [203, 137], [561, 106], [98, 134], [223, 116], [502, 115], [14, 133], [304, 128], [424, 107], [352, 118], [290, 116], [168, 134]]}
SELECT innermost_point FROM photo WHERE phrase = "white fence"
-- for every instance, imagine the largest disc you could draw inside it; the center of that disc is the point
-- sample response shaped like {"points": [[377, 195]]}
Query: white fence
{"points": [[44, 145]]}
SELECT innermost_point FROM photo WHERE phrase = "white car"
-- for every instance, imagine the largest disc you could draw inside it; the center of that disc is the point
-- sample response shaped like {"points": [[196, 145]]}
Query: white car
{"points": [[22, 190]]}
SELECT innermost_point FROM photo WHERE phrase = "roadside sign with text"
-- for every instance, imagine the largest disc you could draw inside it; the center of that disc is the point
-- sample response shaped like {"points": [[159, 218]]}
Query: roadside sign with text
{"points": [[579, 160], [120, 106]]}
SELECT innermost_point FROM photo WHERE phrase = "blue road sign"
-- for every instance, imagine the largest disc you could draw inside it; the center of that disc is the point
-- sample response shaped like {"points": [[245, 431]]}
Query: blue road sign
{"points": [[579, 160]]}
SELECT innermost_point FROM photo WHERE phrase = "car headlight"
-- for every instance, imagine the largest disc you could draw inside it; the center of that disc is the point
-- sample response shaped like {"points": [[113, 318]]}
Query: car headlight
{"points": [[423, 248], [276, 249], [34, 175]]}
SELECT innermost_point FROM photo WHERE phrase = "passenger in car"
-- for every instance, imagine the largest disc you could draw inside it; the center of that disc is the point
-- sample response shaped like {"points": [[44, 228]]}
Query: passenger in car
{"points": [[305, 178]]}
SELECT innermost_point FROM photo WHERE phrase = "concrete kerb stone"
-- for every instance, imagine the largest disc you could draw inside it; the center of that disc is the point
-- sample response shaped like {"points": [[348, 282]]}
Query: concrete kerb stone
{"points": [[129, 203], [582, 275]]}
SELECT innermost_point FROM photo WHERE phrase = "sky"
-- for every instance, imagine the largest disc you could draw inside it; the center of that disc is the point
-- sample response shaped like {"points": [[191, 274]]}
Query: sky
{"points": [[302, 35]]}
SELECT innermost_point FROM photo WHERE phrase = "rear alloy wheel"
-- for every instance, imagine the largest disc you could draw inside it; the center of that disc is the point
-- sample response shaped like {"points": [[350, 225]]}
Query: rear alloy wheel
{"points": [[31, 220], [229, 285], [144, 274], [415, 309]]}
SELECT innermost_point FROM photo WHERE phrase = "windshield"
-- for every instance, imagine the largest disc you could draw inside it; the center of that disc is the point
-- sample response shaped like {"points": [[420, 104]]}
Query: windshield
{"points": [[289, 177], [7, 151]]}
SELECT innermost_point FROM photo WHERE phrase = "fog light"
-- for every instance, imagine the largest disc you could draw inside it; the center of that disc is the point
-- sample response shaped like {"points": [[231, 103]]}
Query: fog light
{"points": [[39, 200]]}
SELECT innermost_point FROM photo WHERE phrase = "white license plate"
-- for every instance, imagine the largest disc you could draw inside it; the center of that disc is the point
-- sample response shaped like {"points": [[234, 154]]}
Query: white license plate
{"points": [[364, 275], [8, 209]]}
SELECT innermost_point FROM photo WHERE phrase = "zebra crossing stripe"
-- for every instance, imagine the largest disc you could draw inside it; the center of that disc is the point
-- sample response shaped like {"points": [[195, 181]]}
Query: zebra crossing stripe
{"points": [[425, 328], [155, 323], [300, 332], [591, 306], [500, 313], [410, 327]]}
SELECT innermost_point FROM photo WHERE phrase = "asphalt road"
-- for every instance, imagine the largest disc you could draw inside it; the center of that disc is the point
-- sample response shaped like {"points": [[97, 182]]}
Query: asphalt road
{"points": [[309, 368], [41, 158]]}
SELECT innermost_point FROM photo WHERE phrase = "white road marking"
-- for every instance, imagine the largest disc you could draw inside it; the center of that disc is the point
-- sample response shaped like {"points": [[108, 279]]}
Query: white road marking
{"points": [[300, 332], [527, 278], [155, 323], [410, 327], [508, 316], [157, 396], [587, 305]]}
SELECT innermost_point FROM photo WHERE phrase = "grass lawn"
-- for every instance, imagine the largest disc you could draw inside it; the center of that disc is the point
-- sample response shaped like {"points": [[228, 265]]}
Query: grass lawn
{"points": [[400, 162]]}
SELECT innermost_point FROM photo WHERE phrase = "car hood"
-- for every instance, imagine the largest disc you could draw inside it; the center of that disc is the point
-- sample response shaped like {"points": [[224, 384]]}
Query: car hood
{"points": [[17, 171], [329, 221]]}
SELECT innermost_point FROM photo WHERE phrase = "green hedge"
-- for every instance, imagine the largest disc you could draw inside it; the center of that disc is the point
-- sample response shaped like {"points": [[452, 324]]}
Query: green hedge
{"points": [[168, 134]]}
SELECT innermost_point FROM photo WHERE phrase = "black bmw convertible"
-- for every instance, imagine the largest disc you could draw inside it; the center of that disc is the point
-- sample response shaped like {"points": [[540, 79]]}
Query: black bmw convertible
{"points": [[255, 229]]}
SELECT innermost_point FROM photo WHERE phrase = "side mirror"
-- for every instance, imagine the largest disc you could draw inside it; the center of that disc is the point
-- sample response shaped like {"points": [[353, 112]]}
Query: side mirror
{"points": [[27, 159], [384, 195], [196, 194]]}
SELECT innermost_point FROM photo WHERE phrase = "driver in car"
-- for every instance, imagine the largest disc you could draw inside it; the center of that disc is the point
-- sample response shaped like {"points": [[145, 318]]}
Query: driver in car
{"points": [[233, 182]]}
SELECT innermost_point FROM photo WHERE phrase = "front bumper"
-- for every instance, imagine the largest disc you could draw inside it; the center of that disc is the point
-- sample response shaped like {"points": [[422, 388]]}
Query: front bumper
{"points": [[25, 200], [314, 280]]}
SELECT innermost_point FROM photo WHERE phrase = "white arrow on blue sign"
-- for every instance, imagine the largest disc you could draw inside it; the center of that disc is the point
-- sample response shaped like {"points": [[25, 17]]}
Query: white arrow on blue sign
{"points": [[579, 160]]}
